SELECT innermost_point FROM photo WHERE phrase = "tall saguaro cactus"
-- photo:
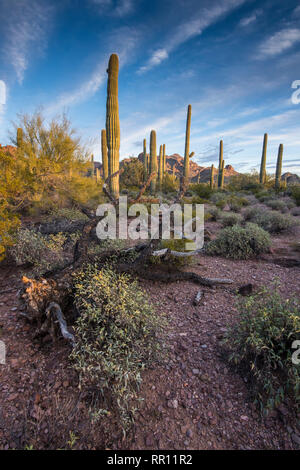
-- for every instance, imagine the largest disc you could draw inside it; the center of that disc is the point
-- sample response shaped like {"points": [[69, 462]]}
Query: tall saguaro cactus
{"points": [[186, 170], [104, 154], [164, 159], [220, 164], [212, 175], [153, 161], [160, 170], [113, 122], [279, 167], [19, 137], [262, 175]]}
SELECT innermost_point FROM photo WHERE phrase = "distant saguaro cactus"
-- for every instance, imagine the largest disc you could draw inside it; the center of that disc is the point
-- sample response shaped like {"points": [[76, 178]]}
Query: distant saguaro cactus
{"points": [[19, 137], [262, 175], [222, 175], [279, 167], [198, 177], [164, 159], [160, 170], [186, 170], [153, 161], [145, 157], [113, 122], [98, 176], [212, 175], [104, 154], [220, 164]]}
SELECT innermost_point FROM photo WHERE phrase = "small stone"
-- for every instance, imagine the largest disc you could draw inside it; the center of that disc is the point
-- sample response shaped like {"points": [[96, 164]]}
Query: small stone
{"points": [[189, 433], [244, 418], [173, 404], [296, 438], [196, 371]]}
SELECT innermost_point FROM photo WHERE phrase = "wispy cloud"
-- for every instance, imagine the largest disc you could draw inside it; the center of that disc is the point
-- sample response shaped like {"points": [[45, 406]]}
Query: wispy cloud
{"points": [[202, 19], [279, 42], [250, 19], [115, 8], [25, 27], [2, 98]]}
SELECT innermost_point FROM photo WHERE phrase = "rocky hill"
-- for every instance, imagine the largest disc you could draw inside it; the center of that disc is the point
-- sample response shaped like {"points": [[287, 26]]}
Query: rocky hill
{"points": [[291, 178]]}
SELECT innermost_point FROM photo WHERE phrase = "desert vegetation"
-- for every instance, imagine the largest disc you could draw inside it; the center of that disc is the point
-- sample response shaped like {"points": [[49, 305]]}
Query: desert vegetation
{"points": [[118, 312]]}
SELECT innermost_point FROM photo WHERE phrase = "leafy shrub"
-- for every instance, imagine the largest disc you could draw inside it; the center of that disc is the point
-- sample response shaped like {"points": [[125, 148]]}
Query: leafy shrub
{"points": [[236, 203], [295, 190], [116, 337], [240, 242], [261, 341], [272, 221], [228, 219], [202, 190], [277, 205], [67, 213], [170, 184], [133, 174], [215, 213]]}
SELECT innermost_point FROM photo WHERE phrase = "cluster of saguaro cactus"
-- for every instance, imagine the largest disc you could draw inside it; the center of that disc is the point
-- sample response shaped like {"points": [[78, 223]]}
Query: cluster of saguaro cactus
{"points": [[262, 175], [113, 123], [104, 154], [220, 165], [279, 167], [186, 169], [153, 161], [212, 175]]}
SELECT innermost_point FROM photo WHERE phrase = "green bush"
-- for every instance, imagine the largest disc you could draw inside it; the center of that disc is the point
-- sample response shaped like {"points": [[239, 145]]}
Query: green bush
{"points": [[295, 191], [228, 219], [116, 337], [170, 184], [67, 213], [236, 203], [240, 242], [202, 190], [277, 205], [215, 213], [41, 252], [271, 221], [261, 341]]}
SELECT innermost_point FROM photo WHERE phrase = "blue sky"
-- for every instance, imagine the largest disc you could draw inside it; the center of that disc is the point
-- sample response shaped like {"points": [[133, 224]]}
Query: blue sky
{"points": [[234, 61]]}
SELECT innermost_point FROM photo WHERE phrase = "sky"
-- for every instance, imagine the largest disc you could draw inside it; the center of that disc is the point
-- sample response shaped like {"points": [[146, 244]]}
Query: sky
{"points": [[237, 62]]}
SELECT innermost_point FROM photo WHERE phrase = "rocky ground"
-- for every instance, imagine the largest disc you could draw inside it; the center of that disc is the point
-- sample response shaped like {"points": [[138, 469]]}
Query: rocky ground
{"points": [[194, 401]]}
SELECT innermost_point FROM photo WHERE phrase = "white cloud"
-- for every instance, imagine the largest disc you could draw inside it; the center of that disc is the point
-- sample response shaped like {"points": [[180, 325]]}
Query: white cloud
{"points": [[2, 99], [279, 42], [25, 27], [185, 31], [250, 19], [296, 12]]}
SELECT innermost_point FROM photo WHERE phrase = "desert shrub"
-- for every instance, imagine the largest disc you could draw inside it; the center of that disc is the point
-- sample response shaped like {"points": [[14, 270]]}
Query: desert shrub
{"points": [[215, 213], [240, 242], [133, 174], [170, 184], [277, 205], [228, 219], [261, 341], [272, 221], [202, 190], [116, 337], [295, 192], [295, 211], [41, 252]]}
